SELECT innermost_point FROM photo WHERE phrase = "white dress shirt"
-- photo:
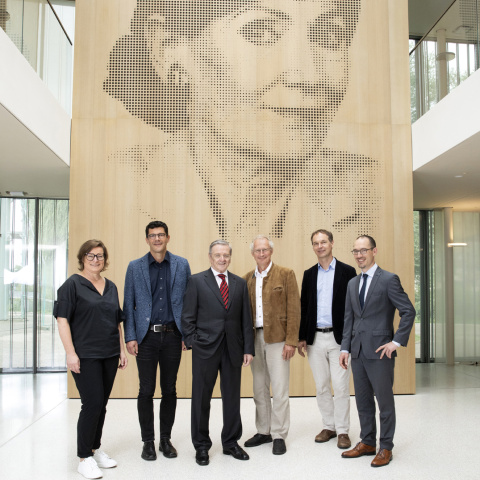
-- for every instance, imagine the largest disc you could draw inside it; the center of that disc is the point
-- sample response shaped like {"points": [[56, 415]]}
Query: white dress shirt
{"points": [[217, 278], [258, 295], [370, 272]]}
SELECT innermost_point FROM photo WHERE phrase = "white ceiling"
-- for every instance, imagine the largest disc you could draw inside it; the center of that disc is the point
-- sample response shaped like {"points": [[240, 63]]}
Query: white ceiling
{"points": [[26, 164], [450, 180], [422, 14]]}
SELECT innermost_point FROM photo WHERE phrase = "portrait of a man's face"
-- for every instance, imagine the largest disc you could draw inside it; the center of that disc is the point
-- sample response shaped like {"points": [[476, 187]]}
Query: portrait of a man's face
{"points": [[250, 88]]}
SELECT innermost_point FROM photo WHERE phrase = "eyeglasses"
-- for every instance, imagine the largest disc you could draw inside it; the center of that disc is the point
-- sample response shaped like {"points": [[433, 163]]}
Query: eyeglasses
{"points": [[218, 256], [152, 236], [98, 256], [363, 251], [261, 250]]}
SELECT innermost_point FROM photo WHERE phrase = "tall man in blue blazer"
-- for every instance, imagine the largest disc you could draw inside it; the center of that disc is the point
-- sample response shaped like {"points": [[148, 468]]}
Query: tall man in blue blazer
{"points": [[217, 326], [153, 301], [368, 334]]}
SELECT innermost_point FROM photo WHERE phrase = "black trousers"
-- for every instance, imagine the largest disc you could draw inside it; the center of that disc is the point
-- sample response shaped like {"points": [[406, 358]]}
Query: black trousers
{"points": [[162, 349], [204, 373], [94, 383]]}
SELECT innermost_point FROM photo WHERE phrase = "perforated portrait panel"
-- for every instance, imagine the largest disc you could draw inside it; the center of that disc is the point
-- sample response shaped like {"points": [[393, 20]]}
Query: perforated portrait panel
{"points": [[234, 118], [247, 91]]}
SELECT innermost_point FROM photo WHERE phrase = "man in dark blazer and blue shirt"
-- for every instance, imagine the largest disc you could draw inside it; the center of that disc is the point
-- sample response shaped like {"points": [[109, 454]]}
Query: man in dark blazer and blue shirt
{"points": [[153, 301], [217, 326], [324, 288], [368, 334]]}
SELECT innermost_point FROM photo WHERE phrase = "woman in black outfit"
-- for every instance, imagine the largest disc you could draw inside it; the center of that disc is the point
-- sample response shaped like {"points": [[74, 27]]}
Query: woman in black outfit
{"points": [[89, 316]]}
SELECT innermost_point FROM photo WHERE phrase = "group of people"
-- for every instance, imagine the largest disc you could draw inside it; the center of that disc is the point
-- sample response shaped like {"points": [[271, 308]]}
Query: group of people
{"points": [[339, 319]]}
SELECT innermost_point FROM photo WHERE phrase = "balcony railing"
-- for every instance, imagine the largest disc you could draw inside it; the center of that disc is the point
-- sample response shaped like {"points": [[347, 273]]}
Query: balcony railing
{"points": [[445, 56], [35, 28]]}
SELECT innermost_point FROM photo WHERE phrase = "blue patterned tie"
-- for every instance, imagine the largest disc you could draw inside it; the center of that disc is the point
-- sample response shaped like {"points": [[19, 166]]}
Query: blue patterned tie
{"points": [[363, 289]]}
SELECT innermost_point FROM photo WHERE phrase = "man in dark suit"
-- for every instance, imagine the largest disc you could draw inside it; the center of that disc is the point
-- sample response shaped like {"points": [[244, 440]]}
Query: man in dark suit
{"points": [[153, 300], [217, 326], [324, 288], [368, 334]]}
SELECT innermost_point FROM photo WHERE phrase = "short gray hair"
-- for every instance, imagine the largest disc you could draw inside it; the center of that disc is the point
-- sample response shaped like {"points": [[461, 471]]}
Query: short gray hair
{"points": [[219, 242], [259, 237]]}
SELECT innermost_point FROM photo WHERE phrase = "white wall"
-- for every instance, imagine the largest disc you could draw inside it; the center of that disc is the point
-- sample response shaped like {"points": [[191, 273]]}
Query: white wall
{"points": [[28, 99]]}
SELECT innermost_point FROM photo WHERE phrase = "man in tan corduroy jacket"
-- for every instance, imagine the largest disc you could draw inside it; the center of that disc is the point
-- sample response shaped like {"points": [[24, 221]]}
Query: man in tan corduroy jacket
{"points": [[275, 303]]}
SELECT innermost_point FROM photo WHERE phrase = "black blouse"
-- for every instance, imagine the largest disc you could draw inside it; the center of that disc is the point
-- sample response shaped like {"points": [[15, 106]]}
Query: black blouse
{"points": [[93, 318]]}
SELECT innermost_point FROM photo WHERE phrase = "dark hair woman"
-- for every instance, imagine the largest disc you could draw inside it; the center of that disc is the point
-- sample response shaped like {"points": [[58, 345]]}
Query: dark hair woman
{"points": [[89, 316]]}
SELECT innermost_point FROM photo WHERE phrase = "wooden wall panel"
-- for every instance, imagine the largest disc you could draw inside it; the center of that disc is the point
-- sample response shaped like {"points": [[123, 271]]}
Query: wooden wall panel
{"points": [[222, 126]]}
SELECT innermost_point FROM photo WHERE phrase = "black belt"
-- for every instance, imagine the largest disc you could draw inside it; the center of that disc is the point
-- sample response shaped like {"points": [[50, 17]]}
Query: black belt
{"points": [[258, 328], [325, 330], [161, 328]]}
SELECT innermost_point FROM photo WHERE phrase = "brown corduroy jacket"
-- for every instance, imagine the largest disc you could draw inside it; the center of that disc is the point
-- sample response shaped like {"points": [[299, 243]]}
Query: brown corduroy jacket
{"points": [[281, 304]]}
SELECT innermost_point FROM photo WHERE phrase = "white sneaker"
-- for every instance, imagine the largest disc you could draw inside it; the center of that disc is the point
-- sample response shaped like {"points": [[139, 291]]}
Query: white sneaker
{"points": [[89, 469], [103, 460]]}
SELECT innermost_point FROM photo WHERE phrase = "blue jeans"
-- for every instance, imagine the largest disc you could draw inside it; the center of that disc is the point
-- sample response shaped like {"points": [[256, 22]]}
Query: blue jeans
{"points": [[163, 349]]}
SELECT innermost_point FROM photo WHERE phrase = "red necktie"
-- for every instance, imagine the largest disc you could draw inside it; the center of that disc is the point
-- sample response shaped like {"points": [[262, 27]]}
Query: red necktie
{"points": [[224, 289]]}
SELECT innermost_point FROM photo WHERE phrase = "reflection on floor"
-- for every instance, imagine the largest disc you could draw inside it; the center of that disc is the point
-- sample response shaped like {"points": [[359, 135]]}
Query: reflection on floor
{"points": [[436, 431]]}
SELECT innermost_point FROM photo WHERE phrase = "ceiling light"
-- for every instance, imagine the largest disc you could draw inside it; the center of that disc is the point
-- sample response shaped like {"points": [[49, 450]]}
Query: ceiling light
{"points": [[457, 244], [17, 194], [445, 56]]}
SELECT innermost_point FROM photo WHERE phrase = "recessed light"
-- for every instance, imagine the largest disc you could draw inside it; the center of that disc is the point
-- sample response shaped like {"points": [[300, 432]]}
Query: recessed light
{"points": [[16, 194]]}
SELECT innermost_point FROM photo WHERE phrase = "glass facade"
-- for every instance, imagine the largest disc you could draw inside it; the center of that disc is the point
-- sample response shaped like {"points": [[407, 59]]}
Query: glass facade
{"points": [[446, 56], [466, 277], [33, 264], [430, 286]]}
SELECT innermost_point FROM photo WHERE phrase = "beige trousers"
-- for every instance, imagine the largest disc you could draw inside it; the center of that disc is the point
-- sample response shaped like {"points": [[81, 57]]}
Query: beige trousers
{"points": [[323, 357], [269, 368]]}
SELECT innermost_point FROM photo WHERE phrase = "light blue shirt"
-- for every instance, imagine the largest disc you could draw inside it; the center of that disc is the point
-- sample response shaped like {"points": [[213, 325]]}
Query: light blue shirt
{"points": [[325, 295]]}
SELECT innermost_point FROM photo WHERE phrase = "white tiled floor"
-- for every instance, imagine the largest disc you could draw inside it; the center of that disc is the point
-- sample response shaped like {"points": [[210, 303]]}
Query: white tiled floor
{"points": [[438, 431]]}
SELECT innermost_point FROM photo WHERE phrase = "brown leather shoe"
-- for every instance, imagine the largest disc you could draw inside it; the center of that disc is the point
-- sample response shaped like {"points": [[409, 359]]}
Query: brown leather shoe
{"points": [[343, 441], [359, 450], [383, 457], [324, 436]]}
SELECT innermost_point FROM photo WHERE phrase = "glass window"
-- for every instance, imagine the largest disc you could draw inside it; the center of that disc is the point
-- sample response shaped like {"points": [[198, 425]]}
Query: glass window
{"points": [[28, 336]]}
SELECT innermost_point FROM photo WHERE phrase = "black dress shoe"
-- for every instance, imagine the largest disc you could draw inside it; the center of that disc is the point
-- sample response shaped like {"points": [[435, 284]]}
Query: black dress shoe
{"points": [[258, 439], [167, 448], [236, 452], [201, 456], [148, 452], [279, 447]]}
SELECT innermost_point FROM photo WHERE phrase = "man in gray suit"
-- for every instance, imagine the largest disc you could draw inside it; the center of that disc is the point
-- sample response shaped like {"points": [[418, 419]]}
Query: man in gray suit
{"points": [[153, 300], [217, 326], [368, 334]]}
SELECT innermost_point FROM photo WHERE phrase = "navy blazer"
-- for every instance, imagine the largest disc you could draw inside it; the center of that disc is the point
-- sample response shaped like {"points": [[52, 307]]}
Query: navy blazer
{"points": [[308, 324], [137, 296], [371, 327]]}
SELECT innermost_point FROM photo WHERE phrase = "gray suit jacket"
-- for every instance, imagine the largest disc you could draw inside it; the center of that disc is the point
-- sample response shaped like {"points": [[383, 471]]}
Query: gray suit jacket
{"points": [[370, 327], [137, 296], [206, 321]]}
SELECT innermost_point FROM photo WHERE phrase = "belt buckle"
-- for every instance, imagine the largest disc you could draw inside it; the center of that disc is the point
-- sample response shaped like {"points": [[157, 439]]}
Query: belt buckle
{"points": [[157, 328]]}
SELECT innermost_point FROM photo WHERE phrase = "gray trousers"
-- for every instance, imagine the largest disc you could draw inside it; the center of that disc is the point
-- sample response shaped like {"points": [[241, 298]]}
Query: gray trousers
{"points": [[375, 378]]}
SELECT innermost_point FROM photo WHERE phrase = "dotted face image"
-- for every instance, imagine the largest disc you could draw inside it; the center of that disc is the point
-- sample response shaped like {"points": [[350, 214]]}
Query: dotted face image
{"points": [[246, 91]]}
